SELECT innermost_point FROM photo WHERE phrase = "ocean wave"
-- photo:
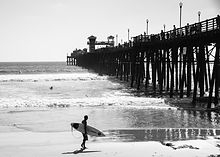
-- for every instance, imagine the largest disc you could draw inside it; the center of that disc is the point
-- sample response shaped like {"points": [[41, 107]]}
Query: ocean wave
{"points": [[114, 101], [51, 77], [9, 72], [22, 111], [7, 68]]}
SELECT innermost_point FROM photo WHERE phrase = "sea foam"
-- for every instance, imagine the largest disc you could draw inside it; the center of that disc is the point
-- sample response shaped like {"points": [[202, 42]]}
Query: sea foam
{"points": [[51, 77], [113, 101]]}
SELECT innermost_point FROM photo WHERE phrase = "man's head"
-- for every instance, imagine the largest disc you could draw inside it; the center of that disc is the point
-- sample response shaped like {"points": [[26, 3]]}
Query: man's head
{"points": [[85, 117]]}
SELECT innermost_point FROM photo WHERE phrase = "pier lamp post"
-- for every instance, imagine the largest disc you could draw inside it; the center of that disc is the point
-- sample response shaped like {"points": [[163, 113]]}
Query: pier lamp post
{"points": [[164, 26], [116, 39], [181, 5], [147, 26], [199, 13], [128, 35]]}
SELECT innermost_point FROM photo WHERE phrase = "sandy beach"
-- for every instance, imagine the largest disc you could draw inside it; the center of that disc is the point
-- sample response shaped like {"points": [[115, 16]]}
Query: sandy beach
{"points": [[35, 120], [57, 144]]}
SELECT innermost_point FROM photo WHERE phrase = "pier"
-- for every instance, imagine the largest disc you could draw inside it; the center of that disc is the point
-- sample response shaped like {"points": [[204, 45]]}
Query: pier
{"points": [[182, 62]]}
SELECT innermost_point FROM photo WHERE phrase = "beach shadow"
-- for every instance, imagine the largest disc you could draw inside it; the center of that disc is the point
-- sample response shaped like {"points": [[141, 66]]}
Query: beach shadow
{"points": [[90, 151], [80, 151]]}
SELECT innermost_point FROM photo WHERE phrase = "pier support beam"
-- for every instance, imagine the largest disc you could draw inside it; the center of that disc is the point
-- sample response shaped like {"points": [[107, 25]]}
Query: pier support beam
{"points": [[215, 79]]}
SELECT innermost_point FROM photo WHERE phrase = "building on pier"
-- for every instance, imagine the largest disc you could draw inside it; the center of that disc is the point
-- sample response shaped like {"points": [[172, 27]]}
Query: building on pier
{"points": [[92, 42], [71, 60]]}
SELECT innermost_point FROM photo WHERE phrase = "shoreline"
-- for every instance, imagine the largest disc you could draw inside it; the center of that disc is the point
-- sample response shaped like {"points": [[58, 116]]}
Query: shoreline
{"points": [[56, 144]]}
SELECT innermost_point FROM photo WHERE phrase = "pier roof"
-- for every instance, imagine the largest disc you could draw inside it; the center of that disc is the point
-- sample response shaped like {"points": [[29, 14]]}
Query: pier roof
{"points": [[92, 37]]}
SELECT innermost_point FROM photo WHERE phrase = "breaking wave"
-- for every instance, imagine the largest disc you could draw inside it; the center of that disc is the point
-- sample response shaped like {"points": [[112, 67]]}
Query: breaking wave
{"points": [[115, 101], [51, 77]]}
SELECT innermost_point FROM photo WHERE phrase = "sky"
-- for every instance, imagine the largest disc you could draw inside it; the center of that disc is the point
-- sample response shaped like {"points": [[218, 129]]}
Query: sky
{"points": [[48, 30]]}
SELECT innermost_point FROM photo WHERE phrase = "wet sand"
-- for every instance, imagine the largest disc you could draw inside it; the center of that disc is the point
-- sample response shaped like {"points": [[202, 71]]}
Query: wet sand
{"points": [[129, 132], [57, 144]]}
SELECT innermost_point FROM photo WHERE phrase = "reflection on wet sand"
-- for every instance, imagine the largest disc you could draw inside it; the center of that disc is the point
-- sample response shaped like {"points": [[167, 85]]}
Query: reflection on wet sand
{"points": [[156, 118], [161, 134]]}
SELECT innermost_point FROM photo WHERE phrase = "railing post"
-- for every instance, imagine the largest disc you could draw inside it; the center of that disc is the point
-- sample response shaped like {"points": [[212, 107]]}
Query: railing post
{"points": [[213, 24], [218, 22], [207, 23]]}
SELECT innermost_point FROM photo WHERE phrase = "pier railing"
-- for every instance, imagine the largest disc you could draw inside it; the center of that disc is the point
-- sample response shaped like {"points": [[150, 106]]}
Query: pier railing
{"points": [[206, 26], [209, 25]]}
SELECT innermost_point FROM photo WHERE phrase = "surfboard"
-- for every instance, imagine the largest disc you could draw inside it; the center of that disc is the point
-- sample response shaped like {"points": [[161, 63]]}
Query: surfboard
{"points": [[90, 130]]}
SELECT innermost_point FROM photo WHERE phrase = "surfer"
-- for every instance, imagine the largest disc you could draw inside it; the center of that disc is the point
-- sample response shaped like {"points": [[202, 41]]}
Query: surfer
{"points": [[85, 136]]}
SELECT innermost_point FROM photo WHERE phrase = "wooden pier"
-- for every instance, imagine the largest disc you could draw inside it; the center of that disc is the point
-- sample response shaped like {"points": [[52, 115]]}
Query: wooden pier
{"points": [[182, 62]]}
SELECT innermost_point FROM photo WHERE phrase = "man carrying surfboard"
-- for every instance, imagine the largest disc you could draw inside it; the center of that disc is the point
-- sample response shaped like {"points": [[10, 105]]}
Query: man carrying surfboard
{"points": [[86, 130], [85, 136]]}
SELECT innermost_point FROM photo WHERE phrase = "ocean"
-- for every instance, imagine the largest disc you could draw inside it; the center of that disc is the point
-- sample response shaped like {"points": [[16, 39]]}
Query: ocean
{"points": [[48, 96]]}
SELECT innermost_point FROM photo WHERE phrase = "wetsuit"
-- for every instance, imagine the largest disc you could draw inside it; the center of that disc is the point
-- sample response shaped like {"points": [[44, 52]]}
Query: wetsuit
{"points": [[85, 136]]}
